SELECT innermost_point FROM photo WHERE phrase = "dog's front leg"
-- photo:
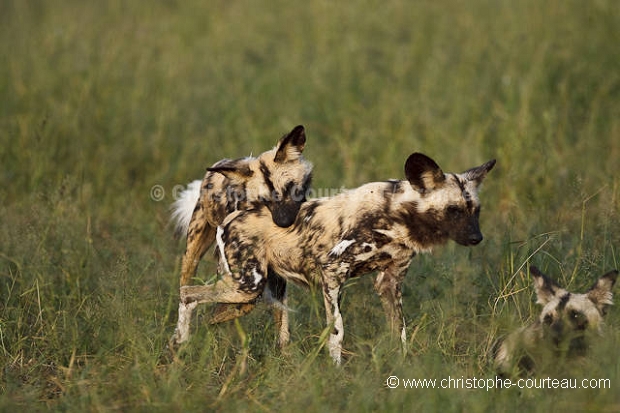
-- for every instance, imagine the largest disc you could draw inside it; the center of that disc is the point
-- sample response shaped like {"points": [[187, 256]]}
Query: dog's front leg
{"points": [[229, 311], [331, 297], [276, 295], [389, 287], [219, 292], [192, 295]]}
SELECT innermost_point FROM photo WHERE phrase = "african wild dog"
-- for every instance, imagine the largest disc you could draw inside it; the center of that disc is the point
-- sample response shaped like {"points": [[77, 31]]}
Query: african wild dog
{"points": [[277, 179], [379, 226], [563, 329]]}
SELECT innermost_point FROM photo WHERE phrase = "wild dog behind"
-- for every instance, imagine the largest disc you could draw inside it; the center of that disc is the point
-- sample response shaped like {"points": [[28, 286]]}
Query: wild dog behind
{"points": [[379, 226], [566, 325], [277, 179]]}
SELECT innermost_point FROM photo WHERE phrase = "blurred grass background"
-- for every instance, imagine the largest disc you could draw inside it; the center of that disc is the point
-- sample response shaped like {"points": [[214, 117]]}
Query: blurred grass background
{"points": [[103, 100]]}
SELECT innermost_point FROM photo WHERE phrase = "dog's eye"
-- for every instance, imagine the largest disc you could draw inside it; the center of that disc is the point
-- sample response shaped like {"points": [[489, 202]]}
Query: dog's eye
{"points": [[454, 211], [578, 320], [548, 319], [577, 317]]}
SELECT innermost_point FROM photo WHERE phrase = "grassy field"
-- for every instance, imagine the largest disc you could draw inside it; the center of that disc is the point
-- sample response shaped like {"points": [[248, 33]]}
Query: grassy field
{"points": [[107, 106]]}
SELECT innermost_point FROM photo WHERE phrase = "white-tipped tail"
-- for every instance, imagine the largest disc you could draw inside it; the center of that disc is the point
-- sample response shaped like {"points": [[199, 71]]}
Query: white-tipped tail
{"points": [[182, 209]]}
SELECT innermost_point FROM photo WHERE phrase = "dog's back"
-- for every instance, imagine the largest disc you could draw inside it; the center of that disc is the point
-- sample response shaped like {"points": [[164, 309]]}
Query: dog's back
{"points": [[369, 228]]}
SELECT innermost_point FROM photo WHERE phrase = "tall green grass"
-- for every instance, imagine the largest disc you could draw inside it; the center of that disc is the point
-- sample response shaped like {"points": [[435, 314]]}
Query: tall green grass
{"points": [[103, 100]]}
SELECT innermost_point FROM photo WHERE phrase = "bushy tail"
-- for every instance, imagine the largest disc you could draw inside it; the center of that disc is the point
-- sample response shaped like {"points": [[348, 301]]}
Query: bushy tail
{"points": [[182, 209]]}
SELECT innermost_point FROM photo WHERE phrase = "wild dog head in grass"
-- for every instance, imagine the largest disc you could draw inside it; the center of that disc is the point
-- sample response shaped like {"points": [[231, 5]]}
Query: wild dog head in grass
{"points": [[564, 329]]}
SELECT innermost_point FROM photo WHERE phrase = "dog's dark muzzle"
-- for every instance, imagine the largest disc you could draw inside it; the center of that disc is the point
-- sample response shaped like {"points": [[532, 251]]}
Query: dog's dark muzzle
{"points": [[284, 209], [475, 239], [284, 213], [469, 234], [474, 236]]}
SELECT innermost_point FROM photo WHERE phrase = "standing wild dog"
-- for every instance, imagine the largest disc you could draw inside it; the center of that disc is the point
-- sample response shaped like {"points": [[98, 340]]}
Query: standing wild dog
{"points": [[277, 179], [564, 328], [379, 226]]}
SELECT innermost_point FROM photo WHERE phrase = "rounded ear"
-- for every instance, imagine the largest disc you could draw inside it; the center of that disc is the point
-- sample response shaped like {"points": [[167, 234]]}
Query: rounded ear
{"points": [[291, 146], [600, 293], [545, 287], [423, 173], [233, 169]]}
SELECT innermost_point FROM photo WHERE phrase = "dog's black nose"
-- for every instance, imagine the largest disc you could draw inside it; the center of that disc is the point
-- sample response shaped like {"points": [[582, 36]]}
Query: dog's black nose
{"points": [[474, 239]]}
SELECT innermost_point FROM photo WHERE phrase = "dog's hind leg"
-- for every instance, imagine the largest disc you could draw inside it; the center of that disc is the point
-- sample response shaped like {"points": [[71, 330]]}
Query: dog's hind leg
{"points": [[200, 236], [388, 285]]}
